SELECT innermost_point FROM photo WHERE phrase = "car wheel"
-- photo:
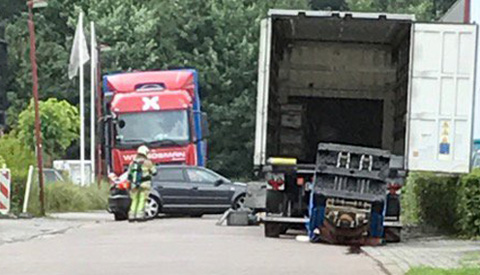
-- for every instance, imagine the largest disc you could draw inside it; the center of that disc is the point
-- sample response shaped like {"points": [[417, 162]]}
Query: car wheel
{"points": [[152, 208], [120, 216], [239, 203]]}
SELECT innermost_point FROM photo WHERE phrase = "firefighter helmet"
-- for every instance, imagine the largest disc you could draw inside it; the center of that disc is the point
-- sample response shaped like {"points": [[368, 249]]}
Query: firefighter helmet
{"points": [[143, 150]]}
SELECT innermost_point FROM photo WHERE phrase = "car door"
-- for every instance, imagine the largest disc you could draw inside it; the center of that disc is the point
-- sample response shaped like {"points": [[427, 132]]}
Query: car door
{"points": [[204, 191], [172, 186]]}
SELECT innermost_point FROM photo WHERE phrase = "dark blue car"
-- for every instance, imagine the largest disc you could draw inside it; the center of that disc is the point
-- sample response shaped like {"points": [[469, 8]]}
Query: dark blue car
{"points": [[193, 191]]}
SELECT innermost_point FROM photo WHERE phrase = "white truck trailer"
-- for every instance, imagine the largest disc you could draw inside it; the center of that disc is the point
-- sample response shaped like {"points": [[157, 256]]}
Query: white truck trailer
{"points": [[373, 80]]}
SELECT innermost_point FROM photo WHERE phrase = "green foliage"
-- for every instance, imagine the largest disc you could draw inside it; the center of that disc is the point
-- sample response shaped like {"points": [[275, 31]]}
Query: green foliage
{"points": [[219, 38], [2, 161], [18, 158], [435, 200], [441, 271], [59, 126], [469, 205], [10, 8], [451, 204], [421, 8], [336, 5], [68, 197]]}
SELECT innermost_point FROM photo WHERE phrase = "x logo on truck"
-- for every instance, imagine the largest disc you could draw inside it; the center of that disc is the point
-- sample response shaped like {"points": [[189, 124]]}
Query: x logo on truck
{"points": [[150, 103]]}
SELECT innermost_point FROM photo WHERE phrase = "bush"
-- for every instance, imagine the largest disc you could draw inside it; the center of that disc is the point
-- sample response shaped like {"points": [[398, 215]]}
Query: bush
{"points": [[18, 158], [448, 203], [432, 199], [68, 197], [469, 205]]}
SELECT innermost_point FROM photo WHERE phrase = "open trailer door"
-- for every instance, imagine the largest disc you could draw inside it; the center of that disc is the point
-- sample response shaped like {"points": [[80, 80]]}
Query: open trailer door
{"points": [[262, 92], [441, 96]]}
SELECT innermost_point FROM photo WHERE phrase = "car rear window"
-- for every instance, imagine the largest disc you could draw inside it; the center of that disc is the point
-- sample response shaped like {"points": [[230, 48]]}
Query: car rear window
{"points": [[171, 174]]}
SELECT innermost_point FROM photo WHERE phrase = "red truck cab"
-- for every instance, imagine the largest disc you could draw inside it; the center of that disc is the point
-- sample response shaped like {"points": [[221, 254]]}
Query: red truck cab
{"points": [[160, 109]]}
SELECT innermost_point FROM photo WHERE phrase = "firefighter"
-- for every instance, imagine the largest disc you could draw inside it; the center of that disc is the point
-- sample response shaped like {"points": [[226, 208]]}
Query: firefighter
{"points": [[140, 174]]}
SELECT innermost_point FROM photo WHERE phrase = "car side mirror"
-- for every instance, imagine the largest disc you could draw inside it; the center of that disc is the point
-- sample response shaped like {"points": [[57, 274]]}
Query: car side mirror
{"points": [[218, 182]]}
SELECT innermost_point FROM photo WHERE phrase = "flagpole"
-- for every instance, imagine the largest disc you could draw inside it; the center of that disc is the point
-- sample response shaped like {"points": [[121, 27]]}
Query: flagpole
{"points": [[82, 109], [93, 66]]}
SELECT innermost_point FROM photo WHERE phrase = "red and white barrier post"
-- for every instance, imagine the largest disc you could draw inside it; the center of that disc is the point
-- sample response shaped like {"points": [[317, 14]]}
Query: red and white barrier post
{"points": [[5, 194]]}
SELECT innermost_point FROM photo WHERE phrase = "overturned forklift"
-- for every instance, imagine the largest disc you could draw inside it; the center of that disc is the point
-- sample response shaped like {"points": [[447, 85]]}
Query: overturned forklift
{"points": [[349, 196], [349, 202]]}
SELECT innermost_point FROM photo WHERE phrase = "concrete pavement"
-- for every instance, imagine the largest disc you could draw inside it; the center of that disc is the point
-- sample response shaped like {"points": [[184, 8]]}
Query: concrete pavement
{"points": [[17, 230], [441, 252], [175, 246]]}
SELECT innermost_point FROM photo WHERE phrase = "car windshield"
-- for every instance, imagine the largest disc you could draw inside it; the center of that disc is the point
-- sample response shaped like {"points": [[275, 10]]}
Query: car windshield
{"points": [[149, 127]]}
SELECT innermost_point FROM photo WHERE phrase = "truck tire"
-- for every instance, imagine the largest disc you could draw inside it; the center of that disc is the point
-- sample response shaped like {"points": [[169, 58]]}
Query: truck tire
{"points": [[272, 230], [120, 216], [393, 234], [275, 201]]}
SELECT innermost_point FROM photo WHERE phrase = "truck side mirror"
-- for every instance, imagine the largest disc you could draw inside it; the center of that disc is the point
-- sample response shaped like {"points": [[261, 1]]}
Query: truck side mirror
{"points": [[205, 130]]}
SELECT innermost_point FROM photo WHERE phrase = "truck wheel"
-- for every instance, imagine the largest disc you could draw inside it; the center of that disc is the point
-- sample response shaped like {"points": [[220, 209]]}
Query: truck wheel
{"points": [[120, 216], [275, 201], [393, 234], [272, 230]]}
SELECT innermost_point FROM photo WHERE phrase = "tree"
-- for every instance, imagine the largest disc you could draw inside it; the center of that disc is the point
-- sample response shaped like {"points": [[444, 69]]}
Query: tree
{"points": [[60, 126], [219, 38], [425, 10], [337, 5]]}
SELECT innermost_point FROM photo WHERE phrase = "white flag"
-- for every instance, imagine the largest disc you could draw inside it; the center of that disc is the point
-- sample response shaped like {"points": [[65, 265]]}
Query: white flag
{"points": [[79, 54]]}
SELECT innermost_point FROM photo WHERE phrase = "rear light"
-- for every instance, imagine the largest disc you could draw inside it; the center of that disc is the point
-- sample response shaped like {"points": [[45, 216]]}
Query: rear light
{"points": [[124, 185], [276, 183], [300, 181], [393, 188], [121, 182]]}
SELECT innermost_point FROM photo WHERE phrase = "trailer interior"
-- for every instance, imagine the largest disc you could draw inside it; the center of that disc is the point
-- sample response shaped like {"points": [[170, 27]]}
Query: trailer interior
{"points": [[339, 80]]}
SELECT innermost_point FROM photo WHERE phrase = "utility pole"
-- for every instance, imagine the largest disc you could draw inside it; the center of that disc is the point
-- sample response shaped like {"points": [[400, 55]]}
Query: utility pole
{"points": [[38, 136], [99, 117]]}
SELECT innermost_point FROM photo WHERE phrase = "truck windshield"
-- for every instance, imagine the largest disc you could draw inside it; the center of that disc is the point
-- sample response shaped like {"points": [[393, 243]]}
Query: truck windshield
{"points": [[164, 127]]}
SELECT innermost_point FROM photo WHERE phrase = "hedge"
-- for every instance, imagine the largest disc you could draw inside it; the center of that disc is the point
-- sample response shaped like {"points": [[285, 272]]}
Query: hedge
{"points": [[448, 203], [69, 197]]}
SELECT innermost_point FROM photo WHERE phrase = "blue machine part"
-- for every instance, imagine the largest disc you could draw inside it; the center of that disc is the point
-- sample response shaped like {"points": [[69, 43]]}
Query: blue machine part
{"points": [[197, 120], [317, 215], [376, 224]]}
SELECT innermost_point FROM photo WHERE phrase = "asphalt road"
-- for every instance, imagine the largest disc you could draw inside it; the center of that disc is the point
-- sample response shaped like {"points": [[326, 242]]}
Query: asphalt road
{"points": [[173, 246]]}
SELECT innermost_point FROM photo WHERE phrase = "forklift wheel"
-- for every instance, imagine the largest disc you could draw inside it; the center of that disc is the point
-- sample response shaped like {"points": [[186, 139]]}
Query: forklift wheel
{"points": [[272, 230]]}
